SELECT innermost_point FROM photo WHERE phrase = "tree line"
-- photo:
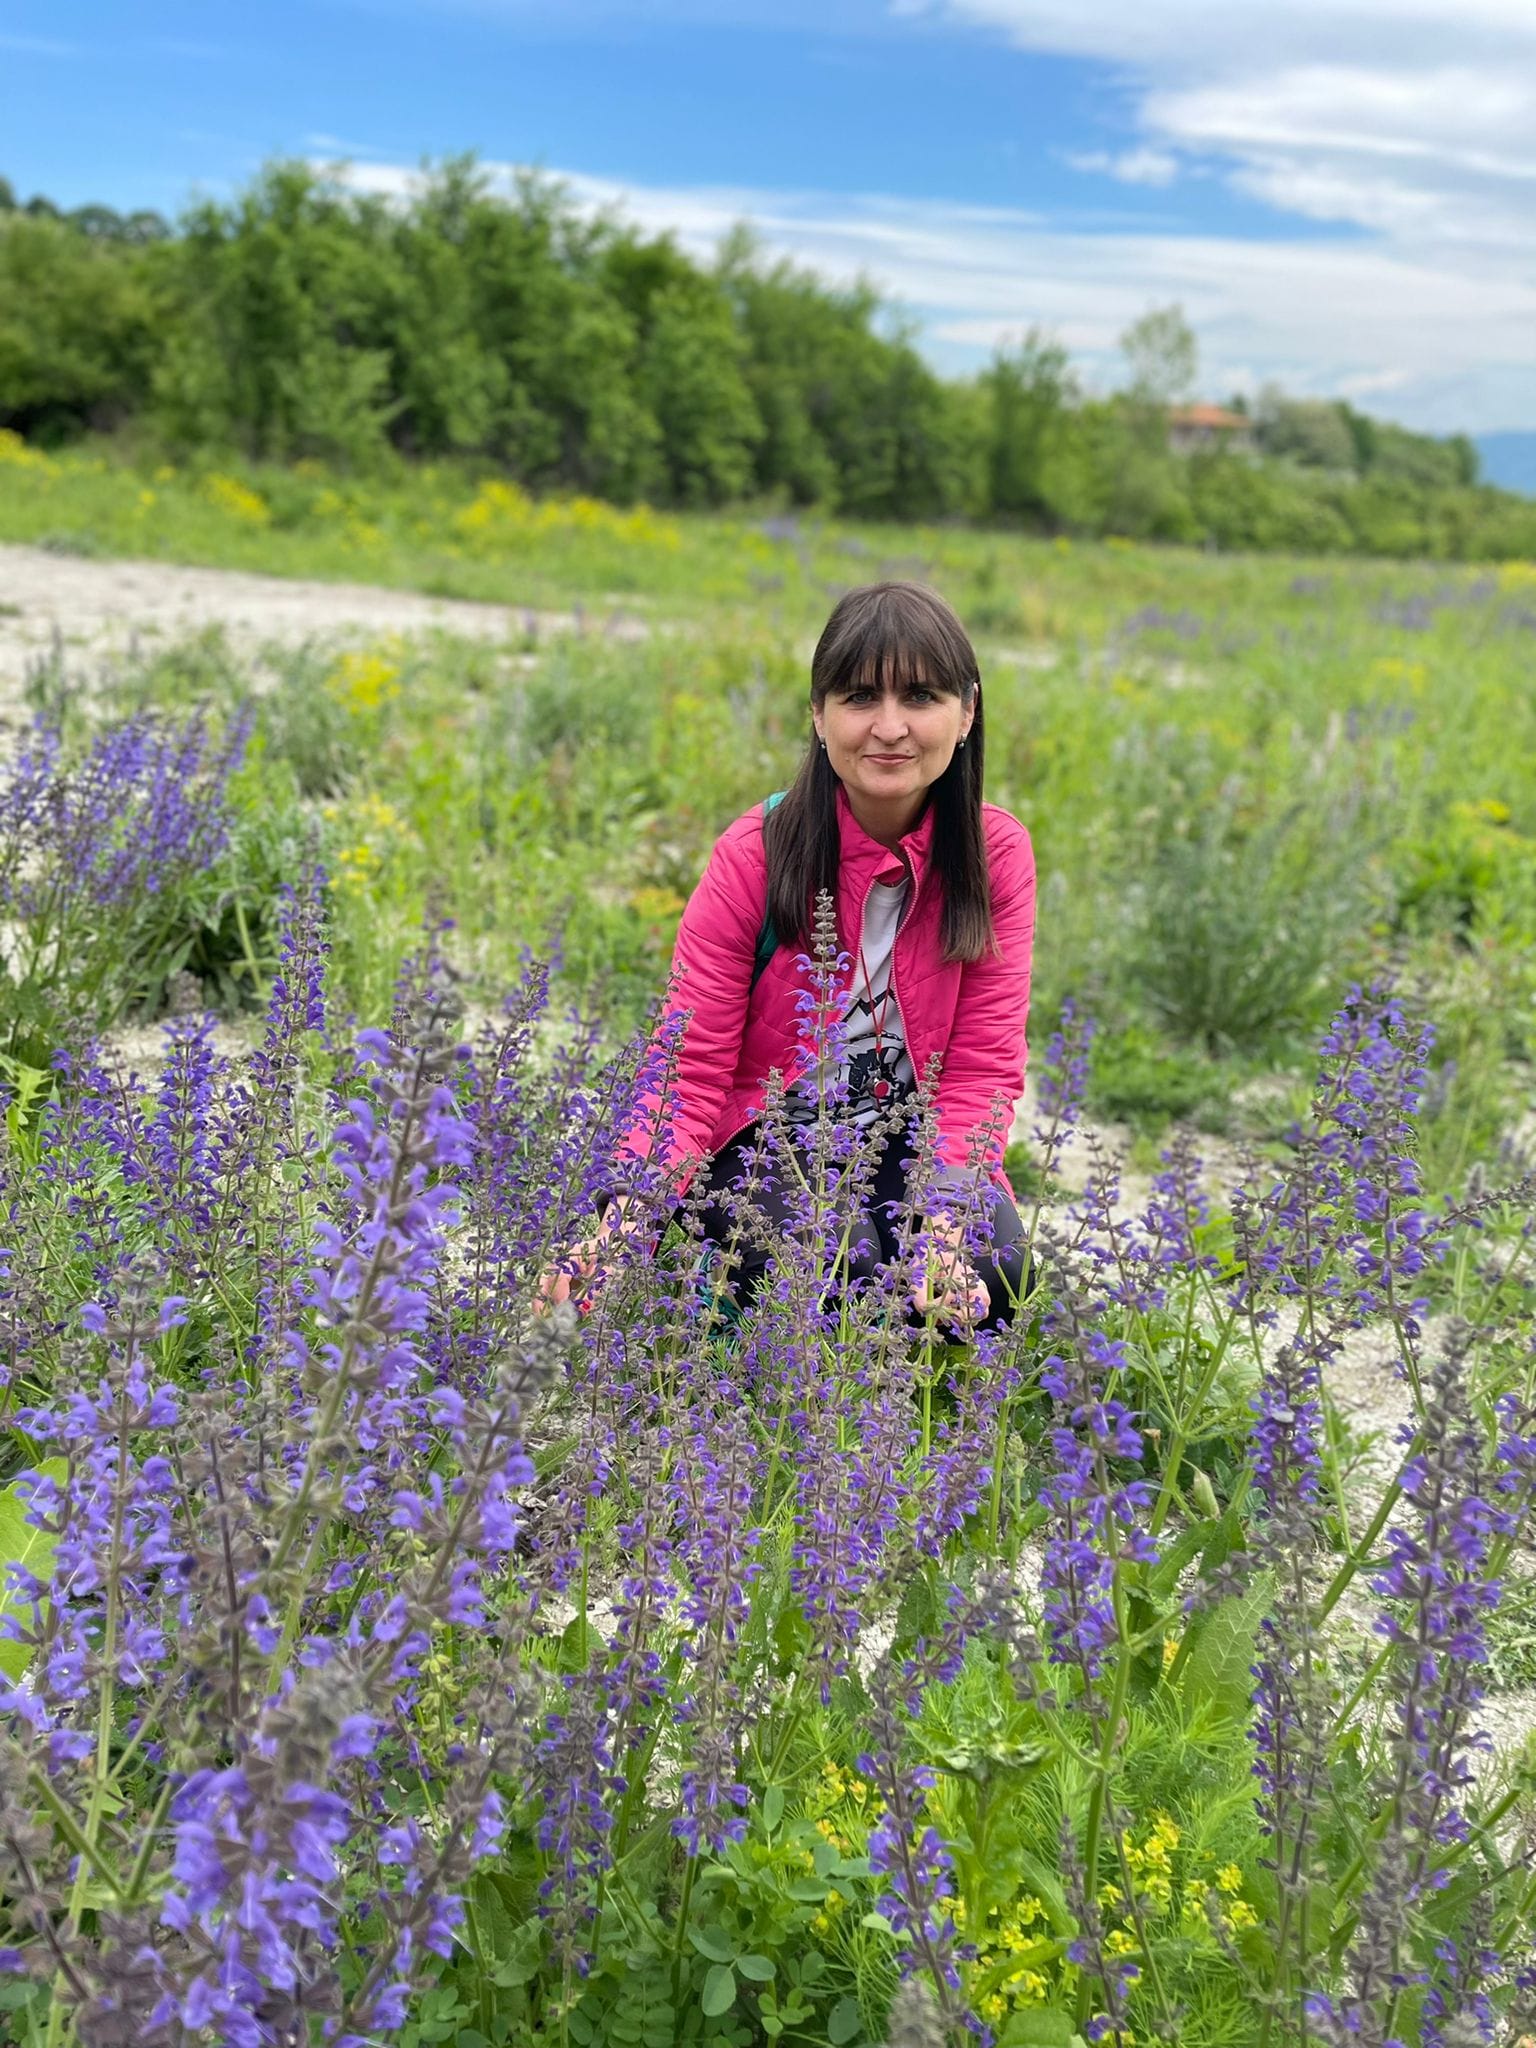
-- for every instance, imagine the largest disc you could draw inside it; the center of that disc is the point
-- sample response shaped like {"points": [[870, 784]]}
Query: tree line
{"points": [[572, 351]]}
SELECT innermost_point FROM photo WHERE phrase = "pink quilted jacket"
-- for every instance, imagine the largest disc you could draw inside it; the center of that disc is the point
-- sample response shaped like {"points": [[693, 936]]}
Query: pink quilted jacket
{"points": [[972, 1014]]}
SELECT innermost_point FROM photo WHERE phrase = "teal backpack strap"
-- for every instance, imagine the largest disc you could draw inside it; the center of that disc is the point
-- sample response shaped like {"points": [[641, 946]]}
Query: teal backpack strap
{"points": [[767, 938]]}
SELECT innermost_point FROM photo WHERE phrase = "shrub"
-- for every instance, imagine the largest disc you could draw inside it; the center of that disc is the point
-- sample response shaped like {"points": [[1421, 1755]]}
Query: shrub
{"points": [[1240, 921]]}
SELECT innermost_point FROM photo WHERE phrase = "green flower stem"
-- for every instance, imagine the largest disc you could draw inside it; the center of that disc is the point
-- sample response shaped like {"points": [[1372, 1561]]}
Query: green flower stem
{"points": [[1098, 1798]]}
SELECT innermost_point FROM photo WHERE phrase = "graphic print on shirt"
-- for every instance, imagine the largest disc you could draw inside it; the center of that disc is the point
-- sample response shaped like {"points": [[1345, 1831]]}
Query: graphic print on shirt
{"points": [[876, 1067]]}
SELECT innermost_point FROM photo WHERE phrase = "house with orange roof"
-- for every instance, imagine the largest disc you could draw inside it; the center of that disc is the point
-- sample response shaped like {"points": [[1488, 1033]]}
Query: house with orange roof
{"points": [[1195, 427]]}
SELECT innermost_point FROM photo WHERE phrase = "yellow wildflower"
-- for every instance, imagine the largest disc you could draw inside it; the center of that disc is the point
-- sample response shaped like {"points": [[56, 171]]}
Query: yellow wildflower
{"points": [[1392, 668], [14, 450], [364, 680], [237, 499], [1229, 1879]]}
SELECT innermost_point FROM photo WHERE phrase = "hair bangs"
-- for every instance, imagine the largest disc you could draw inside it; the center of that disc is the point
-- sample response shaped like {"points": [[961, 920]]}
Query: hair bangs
{"points": [[893, 634]]}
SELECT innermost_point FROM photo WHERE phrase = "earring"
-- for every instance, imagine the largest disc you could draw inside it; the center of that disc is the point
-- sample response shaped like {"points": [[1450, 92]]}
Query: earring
{"points": [[962, 739], [823, 744]]}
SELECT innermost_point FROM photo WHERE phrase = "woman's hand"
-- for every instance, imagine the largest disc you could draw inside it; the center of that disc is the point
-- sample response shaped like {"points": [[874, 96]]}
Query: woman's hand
{"points": [[944, 1281], [593, 1259]]}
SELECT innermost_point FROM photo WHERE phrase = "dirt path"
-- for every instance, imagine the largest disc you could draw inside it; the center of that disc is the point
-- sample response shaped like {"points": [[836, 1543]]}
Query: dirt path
{"points": [[98, 608]]}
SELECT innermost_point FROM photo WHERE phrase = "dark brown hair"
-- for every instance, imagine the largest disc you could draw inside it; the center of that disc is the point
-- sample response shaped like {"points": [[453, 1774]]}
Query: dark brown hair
{"points": [[885, 633]]}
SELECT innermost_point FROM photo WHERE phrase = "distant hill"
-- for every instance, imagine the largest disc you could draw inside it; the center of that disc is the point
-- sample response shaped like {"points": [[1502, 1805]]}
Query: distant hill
{"points": [[1508, 460]]}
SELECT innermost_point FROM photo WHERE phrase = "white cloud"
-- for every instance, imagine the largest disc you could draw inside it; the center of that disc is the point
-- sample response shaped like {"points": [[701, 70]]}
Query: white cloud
{"points": [[1445, 337], [1402, 115], [1130, 166], [335, 147], [1411, 121]]}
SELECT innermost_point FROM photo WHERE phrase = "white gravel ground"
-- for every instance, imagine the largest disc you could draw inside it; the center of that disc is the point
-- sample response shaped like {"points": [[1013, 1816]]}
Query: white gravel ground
{"points": [[98, 608]]}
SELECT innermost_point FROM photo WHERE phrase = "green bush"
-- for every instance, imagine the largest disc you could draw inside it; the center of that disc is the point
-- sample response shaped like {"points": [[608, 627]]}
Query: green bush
{"points": [[1137, 1077], [1240, 926]]}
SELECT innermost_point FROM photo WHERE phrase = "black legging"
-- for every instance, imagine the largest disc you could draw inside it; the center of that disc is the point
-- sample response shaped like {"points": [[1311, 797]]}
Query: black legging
{"points": [[1002, 1273]]}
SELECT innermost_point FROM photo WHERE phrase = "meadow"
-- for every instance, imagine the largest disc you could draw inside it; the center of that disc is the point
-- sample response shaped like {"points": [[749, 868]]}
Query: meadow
{"points": [[389, 1663]]}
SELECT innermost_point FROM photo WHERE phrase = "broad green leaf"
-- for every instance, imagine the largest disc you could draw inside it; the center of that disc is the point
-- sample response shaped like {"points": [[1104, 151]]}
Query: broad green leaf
{"points": [[1042, 2027], [756, 1968], [21, 1543], [1164, 1575], [713, 1943], [844, 2021], [1218, 1669], [493, 1923], [1044, 1880], [719, 1992], [577, 1643], [773, 1807], [524, 1957]]}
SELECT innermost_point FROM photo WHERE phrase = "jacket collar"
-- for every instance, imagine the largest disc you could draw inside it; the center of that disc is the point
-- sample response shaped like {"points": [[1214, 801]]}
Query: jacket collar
{"points": [[866, 857]]}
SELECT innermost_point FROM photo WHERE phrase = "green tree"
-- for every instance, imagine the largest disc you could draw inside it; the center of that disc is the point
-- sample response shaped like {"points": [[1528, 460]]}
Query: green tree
{"points": [[79, 328], [1162, 356], [1028, 389], [1314, 432], [690, 378], [1147, 496]]}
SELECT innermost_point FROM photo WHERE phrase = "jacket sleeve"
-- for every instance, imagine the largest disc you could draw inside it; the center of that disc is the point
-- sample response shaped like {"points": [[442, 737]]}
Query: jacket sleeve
{"points": [[987, 1049], [709, 987]]}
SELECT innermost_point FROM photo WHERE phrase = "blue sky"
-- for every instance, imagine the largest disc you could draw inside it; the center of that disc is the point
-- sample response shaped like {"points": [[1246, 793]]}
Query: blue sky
{"points": [[1341, 193]]}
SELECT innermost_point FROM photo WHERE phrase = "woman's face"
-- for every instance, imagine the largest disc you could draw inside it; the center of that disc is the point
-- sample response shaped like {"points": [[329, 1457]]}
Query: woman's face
{"points": [[889, 742]]}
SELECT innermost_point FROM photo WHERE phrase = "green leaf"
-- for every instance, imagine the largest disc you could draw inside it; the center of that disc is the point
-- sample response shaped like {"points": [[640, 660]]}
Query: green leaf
{"points": [[719, 1992], [1044, 1881], [758, 1968], [22, 1544], [844, 2021], [1164, 1575], [713, 1943], [576, 1645], [26, 1083], [1218, 1667], [773, 1807], [493, 1923], [523, 1959], [1040, 2027]]}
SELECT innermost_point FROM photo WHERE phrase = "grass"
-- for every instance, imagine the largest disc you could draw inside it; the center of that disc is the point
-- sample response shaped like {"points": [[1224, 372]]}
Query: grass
{"points": [[1223, 764], [1248, 779]]}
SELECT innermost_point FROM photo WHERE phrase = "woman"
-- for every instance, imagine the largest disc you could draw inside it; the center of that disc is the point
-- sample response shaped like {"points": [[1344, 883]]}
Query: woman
{"points": [[935, 895]]}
